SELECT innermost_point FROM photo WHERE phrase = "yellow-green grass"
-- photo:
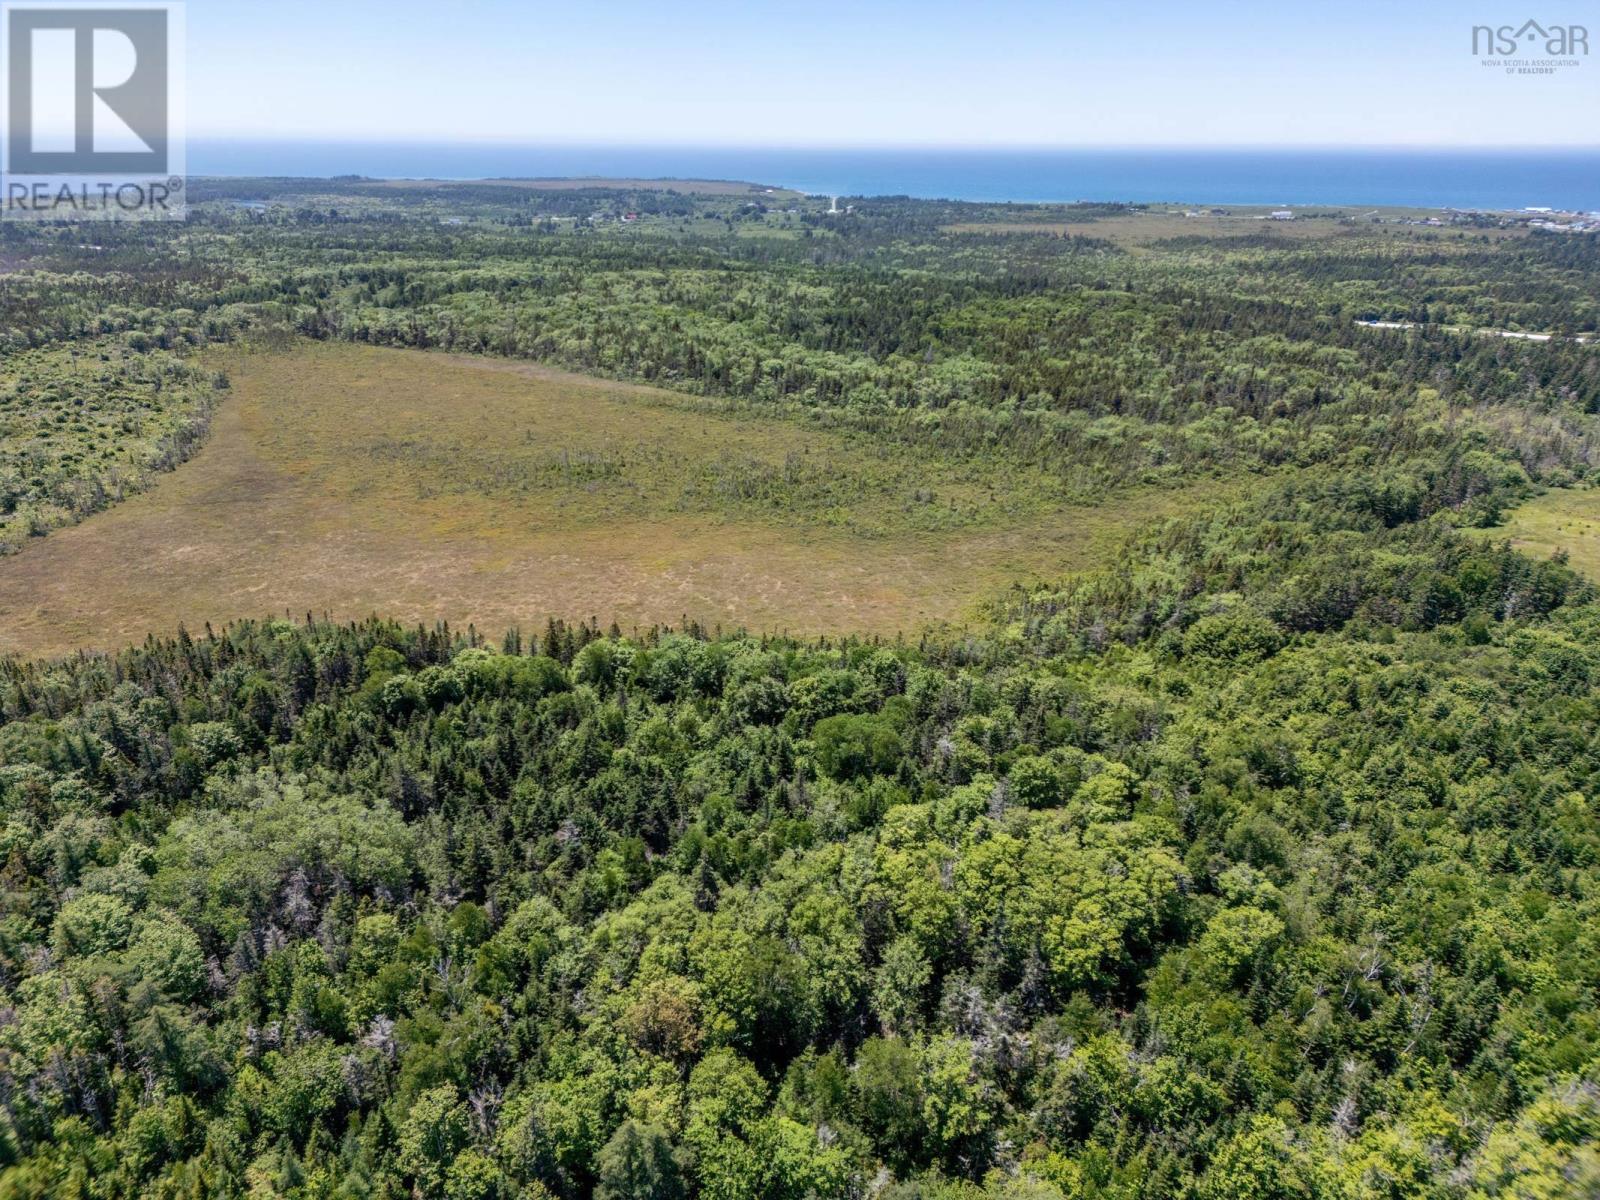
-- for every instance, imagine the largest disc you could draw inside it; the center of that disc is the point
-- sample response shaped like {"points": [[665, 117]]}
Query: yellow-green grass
{"points": [[1135, 230], [344, 480], [1562, 519]]}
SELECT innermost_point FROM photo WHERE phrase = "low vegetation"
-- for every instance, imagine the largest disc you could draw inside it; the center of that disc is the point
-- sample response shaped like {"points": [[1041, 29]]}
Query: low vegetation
{"points": [[351, 480], [83, 426], [1561, 521]]}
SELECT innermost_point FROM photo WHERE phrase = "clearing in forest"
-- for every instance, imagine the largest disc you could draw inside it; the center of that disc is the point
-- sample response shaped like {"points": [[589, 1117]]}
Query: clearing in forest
{"points": [[344, 480], [1561, 519]]}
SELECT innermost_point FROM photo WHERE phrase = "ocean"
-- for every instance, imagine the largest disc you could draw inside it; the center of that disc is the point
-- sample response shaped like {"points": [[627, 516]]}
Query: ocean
{"points": [[1433, 178]]}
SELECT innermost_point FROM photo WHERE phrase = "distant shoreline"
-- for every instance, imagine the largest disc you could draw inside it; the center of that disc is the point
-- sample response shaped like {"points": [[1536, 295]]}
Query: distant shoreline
{"points": [[572, 183], [777, 192], [1566, 179]]}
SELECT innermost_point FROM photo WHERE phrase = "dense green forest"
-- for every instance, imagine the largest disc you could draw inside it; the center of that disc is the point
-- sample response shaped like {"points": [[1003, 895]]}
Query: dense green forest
{"points": [[1263, 864]]}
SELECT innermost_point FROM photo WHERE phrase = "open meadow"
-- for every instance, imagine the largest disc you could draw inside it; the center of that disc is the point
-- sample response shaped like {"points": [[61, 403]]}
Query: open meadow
{"points": [[1143, 227], [344, 480], [1562, 520]]}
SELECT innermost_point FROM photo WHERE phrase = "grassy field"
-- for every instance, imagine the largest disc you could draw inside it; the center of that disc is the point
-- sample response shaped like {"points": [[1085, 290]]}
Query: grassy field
{"points": [[1143, 228], [1561, 519], [343, 480]]}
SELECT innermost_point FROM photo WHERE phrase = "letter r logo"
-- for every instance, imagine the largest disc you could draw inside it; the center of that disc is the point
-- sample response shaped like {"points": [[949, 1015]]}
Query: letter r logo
{"points": [[87, 89]]}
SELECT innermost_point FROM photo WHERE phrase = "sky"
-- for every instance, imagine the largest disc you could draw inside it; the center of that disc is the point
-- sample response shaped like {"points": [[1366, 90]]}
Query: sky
{"points": [[880, 72]]}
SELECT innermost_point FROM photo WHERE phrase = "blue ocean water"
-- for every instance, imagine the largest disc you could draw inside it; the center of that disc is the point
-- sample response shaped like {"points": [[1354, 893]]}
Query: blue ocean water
{"points": [[1491, 179]]}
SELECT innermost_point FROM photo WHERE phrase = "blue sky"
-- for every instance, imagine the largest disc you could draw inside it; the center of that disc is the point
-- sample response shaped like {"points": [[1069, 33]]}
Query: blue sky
{"points": [[879, 72]]}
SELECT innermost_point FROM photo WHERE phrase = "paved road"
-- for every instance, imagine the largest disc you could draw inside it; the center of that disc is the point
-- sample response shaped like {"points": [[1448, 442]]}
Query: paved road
{"points": [[1505, 333]]}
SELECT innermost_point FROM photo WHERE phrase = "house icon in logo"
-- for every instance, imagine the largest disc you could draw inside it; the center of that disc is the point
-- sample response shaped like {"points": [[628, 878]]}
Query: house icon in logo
{"points": [[1555, 41]]}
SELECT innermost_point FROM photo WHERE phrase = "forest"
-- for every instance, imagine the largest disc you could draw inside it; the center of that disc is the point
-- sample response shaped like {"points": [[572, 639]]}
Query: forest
{"points": [[1260, 863]]}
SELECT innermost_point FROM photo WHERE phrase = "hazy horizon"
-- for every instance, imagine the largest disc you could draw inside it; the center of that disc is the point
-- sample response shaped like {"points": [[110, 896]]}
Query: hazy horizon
{"points": [[514, 142], [1022, 73]]}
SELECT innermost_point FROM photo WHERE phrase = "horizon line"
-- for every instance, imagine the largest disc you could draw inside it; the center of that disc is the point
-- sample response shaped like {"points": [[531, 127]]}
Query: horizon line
{"points": [[973, 147]]}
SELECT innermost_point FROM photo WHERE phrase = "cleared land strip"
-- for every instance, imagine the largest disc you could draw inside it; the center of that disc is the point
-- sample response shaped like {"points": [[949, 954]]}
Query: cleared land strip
{"points": [[348, 480]]}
